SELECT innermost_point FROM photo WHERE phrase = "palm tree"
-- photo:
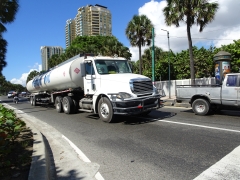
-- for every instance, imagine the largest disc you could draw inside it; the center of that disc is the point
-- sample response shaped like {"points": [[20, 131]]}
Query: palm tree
{"points": [[199, 12], [8, 10], [124, 52], [139, 32]]}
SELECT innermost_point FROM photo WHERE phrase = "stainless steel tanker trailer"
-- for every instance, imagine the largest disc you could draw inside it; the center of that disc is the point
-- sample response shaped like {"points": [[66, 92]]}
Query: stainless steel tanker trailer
{"points": [[96, 84]]}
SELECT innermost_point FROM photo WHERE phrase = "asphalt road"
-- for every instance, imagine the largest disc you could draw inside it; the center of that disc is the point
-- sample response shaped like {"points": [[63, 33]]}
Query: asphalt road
{"points": [[171, 143]]}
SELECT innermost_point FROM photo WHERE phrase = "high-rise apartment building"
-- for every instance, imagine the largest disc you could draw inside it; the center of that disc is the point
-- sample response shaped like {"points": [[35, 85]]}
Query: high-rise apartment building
{"points": [[70, 30], [89, 21], [46, 54]]}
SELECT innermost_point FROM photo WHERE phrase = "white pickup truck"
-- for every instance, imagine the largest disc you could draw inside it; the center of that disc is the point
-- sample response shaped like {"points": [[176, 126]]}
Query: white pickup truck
{"points": [[204, 99]]}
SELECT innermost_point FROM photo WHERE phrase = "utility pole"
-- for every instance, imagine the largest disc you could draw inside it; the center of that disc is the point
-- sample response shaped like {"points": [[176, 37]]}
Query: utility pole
{"points": [[169, 70]]}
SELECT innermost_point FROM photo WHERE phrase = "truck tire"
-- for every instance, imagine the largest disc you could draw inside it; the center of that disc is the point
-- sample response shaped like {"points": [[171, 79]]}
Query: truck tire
{"points": [[75, 106], [67, 104], [105, 110], [33, 101], [200, 107], [58, 104]]}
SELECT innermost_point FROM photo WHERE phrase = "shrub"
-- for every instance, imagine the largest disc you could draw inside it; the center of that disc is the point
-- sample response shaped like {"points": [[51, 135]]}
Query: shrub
{"points": [[10, 129]]}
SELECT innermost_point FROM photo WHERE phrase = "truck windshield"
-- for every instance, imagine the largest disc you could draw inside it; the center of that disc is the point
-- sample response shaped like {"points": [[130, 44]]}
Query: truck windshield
{"points": [[112, 66]]}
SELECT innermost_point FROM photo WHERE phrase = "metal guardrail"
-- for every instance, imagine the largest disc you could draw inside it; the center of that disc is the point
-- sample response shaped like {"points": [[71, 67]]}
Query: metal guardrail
{"points": [[161, 92], [198, 85]]}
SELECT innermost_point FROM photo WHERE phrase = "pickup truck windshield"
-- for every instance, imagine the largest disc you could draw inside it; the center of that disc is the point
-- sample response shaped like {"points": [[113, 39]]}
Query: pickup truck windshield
{"points": [[112, 66]]}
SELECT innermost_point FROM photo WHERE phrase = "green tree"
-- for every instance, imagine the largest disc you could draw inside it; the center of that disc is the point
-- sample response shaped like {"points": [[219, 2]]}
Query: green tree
{"points": [[147, 60], [203, 60], [124, 52], [3, 83], [8, 10], [104, 45], [31, 75], [199, 12], [181, 65], [3, 51], [112, 46], [54, 60], [139, 32], [6, 86], [73, 51], [134, 66]]}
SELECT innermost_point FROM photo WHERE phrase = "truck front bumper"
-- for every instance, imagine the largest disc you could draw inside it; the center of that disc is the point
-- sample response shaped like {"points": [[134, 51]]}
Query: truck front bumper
{"points": [[136, 106]]}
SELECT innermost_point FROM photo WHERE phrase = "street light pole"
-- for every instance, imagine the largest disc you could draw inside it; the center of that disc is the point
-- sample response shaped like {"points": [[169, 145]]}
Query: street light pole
{"points": [[169, 70]]}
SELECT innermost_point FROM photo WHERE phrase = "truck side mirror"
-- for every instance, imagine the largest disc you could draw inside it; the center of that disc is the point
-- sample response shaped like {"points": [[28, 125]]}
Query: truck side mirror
{"points": [[82, 69]]}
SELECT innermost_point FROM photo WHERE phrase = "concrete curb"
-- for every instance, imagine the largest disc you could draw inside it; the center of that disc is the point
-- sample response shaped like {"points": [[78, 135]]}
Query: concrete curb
{"points": [[173, 102], [39, 166]]}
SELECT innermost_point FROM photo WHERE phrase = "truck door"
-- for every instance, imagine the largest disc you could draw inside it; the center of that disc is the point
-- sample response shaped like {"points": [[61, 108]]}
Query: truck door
{"points": [[231, 91], [90, 78]]}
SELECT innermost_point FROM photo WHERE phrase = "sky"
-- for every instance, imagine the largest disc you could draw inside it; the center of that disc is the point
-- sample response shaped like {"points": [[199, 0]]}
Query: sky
{"points": [[42, 23]]}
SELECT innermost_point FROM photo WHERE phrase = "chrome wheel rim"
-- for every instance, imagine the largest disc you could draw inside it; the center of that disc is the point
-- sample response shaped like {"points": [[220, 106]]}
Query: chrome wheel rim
{"points": [[200, 107], [58, 105], [65, 105], [104, 110]]}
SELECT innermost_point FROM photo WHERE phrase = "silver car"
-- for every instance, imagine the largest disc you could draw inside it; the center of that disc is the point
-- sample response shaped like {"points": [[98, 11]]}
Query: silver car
{"points": [[10, 94]]}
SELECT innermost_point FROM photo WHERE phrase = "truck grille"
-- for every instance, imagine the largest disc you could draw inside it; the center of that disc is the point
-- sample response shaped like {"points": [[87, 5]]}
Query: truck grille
{"points": [[142, 87]]}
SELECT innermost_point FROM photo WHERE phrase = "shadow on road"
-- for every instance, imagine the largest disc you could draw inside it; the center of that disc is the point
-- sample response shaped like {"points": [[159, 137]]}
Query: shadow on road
{"points": [[226, 112], [137, 119]]}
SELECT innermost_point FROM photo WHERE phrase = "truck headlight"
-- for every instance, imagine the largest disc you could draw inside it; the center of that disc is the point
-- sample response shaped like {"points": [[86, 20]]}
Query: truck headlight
{"points": [[131, 86], [123, 95], [155, 90]]}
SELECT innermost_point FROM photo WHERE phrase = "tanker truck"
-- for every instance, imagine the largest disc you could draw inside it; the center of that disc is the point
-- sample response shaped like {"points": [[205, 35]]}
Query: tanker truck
{"points": [[101, 85]]}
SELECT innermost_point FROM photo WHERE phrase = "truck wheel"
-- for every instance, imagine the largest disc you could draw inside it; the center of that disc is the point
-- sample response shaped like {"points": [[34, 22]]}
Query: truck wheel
{"points": [[75, 106], [105, 110], [58, 104], [200, 107], [33, 101], [67, 104]]}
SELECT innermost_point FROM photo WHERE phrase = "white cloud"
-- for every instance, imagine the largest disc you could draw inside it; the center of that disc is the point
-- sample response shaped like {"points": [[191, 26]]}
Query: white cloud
{"points": [[23, 78], [221, 31]]}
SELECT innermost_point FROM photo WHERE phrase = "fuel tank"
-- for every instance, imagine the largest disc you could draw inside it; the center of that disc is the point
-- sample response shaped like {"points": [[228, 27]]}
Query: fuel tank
{"points": [[64, 76]]}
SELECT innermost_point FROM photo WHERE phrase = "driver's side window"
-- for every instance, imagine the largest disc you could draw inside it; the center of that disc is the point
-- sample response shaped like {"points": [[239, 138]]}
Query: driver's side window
{"points": [[89, 69]]}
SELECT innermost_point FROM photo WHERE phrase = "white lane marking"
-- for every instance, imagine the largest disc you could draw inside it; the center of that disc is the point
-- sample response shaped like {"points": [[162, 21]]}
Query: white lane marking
{"points": [[98, 176], [196, 125], [78, 151], [82, 156]]}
